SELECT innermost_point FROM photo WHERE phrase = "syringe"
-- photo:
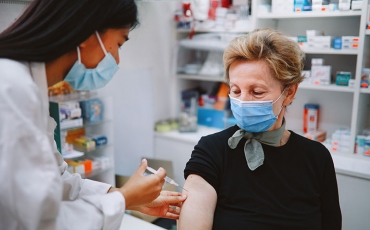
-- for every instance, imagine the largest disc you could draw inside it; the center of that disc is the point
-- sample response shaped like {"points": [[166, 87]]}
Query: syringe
{"points": [[167, 179]]}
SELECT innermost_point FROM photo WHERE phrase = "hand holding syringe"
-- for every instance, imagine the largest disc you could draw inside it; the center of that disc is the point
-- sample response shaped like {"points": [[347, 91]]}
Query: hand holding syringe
{"points": [[167, 179]]}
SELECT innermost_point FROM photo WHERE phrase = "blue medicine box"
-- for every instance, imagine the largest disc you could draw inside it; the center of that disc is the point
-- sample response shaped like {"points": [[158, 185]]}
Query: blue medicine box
{"points": [[211, 117], [342, 78], [337, 43], [302, 5]]}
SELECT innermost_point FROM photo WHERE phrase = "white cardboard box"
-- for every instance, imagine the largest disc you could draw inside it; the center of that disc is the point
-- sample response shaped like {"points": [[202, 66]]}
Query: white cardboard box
{"points": [[320, 75]]}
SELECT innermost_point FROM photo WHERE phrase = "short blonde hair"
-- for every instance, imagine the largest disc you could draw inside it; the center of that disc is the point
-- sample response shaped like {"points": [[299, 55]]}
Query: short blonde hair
{"points": [[283, 55]]}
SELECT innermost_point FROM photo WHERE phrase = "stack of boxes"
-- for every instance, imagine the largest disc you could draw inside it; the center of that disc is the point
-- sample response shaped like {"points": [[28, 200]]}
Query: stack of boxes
{"points": [[282, 6], [315, 39], [320, 74], [88, 165], [341, 140], [350, 42]]}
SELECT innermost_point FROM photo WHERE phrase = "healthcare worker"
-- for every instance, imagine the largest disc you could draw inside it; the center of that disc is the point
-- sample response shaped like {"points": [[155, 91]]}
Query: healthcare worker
{"points": [[76, 41]]}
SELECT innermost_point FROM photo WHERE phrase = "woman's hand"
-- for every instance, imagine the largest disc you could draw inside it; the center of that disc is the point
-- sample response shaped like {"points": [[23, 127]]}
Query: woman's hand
{"points": [[140, 189], [167, 205]]}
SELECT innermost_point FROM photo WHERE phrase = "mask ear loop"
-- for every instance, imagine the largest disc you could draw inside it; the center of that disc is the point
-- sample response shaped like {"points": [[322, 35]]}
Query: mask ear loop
{"points": [[277, 100], [101, 43], [79, 55], [279, 96]]}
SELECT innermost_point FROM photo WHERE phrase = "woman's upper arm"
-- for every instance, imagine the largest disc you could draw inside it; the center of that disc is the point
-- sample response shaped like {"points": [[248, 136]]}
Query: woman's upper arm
{"points": [[198, 209]]}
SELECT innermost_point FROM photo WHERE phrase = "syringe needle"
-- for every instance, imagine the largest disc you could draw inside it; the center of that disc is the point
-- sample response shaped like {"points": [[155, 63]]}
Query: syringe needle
{"points": [[183, 188], [167, 179]]}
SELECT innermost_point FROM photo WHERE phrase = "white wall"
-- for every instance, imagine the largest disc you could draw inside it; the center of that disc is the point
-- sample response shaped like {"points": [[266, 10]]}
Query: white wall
{"points": [[142, 89], [9, 12]]}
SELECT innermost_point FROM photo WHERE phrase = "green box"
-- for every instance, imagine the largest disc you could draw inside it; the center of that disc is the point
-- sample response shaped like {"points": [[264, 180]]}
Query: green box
{"points": [[342, 78], [302, 39]]}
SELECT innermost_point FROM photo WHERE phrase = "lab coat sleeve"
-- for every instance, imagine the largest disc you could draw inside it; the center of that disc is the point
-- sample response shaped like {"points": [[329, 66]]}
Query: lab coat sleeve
{"points": [[74, 186], [92, 212], [31, 187]]}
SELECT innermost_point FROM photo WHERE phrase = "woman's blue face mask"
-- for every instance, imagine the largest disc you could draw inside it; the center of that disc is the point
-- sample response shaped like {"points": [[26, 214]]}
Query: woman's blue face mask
{"points": [[81, 78], [254, 116]]}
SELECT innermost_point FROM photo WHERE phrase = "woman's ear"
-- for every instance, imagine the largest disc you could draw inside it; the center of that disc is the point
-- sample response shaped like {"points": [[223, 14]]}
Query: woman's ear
{"points": [[290, 94], [91, 40]]}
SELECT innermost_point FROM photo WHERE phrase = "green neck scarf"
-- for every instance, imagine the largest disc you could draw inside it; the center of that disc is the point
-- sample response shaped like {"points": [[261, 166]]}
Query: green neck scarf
{"points": [[253, 149]]}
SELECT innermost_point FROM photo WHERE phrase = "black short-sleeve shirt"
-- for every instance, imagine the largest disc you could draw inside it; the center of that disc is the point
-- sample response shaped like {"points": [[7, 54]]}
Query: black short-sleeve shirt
{"points": [[295, 188]]}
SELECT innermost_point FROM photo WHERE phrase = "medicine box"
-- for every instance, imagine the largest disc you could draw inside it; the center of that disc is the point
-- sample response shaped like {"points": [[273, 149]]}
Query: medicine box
{"points": [[99, 139], [318, 135], [302, 5], [320, 75], [344, 4], [349, 45], [317, 61], [350, 39], [281, 6], [350, 42], [337, 43], [211, 117], [356, 5], [342, 78], [92, 110]]}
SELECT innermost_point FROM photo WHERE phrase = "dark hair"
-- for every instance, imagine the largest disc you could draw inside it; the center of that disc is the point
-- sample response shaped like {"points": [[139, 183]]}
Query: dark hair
{"points": [[50, 28]]}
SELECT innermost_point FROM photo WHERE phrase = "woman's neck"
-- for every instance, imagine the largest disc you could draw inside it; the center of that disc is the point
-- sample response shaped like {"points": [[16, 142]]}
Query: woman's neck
{"points": [[58, 69]]}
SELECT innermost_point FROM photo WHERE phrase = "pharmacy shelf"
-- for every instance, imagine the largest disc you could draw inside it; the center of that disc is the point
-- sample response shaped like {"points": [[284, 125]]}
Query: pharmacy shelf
{"points": [[188, 137], [344, 163], [367, 32], [365, 90], [78, 96], [219, 30], [352, 164], [93, 150], [204, 44], [201, 77], [218, 45], [310, 14], [331, 87], [95, 172], [330, 51], [78, 123]]}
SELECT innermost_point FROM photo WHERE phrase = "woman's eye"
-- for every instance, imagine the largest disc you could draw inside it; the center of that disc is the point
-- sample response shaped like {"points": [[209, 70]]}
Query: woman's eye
{"points": [[257, 93]]}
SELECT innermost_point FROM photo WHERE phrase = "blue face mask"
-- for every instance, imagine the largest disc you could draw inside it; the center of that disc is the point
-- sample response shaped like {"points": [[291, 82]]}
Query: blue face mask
{"points": [[254, 116], [81, 78]]}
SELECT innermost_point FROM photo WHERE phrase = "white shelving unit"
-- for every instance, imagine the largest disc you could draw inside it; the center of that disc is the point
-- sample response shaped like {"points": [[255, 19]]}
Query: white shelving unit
{"points": [[331, 87], [337, 23], [331, 51], [201, 77], [310, 14], [340, 106]]}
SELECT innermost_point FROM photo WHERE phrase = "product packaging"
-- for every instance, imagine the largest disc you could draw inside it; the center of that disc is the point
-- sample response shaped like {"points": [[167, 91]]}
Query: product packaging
{"points": [[342, 78], [320, 75], [92, 110], [318, 135], [311, 118]]}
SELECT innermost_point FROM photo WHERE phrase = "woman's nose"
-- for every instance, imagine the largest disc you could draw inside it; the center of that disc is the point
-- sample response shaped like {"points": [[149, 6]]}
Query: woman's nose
{"points": [[244, 97]]}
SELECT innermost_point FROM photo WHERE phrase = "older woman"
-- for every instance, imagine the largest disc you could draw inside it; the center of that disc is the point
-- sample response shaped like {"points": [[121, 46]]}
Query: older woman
{"points": [[258, 175]]}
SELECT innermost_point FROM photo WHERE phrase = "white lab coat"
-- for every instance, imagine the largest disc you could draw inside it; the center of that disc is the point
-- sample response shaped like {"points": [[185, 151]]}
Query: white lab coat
{"points": [[36, 190]]}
